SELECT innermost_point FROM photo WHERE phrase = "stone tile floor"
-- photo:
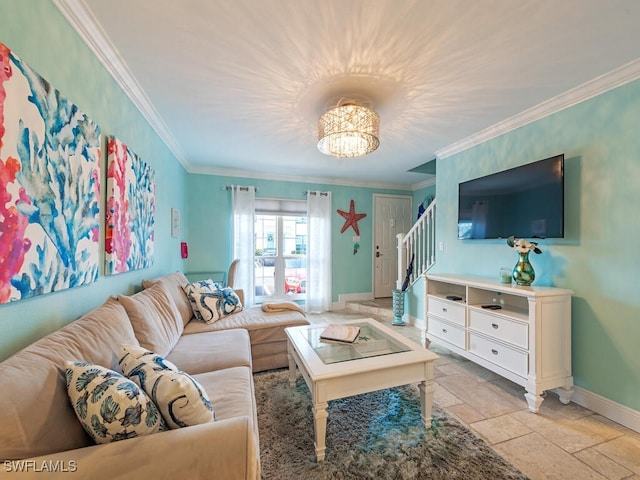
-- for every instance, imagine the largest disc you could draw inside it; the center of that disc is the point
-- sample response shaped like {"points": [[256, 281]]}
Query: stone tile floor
{"points": [[561, 442]]}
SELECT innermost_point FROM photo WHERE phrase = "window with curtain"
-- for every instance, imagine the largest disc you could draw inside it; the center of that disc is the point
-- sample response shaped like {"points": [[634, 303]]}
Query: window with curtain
{"points": [[280, 249], [289, 254], [318, 292], [280, 257], [243, 208]]}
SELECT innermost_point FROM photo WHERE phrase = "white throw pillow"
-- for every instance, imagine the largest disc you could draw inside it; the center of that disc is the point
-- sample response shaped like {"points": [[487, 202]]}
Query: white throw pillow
{"points": [[193, 294], [109, 406], [180, 397], [211, 302]]}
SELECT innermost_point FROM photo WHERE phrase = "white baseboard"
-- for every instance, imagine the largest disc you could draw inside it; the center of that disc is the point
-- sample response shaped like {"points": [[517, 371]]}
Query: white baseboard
{"points": [[621, 414], [420, 323]]}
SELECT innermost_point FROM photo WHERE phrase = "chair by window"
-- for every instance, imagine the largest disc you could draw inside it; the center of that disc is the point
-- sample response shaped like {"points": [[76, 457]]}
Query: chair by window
{"points": [[231, 276]]}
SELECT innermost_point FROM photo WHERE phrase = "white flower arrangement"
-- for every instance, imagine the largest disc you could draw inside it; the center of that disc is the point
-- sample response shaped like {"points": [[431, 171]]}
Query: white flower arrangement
{"points": [[522, 245]]}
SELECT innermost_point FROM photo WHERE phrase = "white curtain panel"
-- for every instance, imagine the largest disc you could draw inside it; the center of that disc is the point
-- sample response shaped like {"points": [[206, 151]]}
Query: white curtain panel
{"points": [[243, 204], [318, 252]]}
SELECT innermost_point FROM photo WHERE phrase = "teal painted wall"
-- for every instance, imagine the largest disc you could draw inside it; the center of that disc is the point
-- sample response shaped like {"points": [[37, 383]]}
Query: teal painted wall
{"points": [[422, 195], [598, 259], [37, 32], [209, 220]]}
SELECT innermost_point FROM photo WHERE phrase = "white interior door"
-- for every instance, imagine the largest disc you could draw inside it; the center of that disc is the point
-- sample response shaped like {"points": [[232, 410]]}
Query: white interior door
{"points": [[391, 215]]}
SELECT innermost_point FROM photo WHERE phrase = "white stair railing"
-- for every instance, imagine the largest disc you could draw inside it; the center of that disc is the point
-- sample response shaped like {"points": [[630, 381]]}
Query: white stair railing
{"points": [[417, 244]]}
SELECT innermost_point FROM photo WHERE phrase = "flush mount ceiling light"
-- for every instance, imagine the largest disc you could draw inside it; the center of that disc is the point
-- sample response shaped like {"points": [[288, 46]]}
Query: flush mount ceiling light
{"points": [[348, 130]]}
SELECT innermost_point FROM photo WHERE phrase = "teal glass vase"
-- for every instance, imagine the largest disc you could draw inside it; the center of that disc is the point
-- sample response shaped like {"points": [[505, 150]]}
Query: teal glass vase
{"points": [[398, 307], [523, 273]]}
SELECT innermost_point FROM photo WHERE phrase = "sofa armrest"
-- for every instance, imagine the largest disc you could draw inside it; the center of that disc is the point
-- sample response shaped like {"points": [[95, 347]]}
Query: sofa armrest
{"points": [[222, 449]]}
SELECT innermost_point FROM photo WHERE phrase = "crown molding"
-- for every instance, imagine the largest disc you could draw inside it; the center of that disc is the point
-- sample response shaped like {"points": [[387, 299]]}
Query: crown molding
{"points": [[599, 85], [426, 183], [84, 23], [228, 172]]}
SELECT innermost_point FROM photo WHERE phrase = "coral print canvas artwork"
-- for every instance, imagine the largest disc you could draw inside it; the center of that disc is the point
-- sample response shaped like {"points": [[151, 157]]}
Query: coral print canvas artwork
{"points": [[49, 186], [130, 210]]}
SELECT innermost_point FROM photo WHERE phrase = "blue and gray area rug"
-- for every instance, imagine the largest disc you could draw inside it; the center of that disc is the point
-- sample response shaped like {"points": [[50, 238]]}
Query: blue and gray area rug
{"points": [[377, 435]]}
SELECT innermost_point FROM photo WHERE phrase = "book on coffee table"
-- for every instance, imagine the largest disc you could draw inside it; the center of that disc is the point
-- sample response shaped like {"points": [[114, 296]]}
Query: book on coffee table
{"points": [[341, 333]]}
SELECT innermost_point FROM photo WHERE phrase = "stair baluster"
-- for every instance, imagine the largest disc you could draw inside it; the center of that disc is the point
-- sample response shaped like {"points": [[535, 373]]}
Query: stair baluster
{"points": [[418, 243]]}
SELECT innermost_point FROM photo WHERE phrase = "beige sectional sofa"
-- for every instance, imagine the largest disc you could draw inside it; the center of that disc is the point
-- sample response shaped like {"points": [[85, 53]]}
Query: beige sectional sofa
{"points": [[266, 331], [38, 424]]}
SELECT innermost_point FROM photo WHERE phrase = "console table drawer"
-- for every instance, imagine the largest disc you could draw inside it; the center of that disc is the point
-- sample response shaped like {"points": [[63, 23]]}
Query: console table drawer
{"points": [[447, 310], [499, 327], [446, 331], [514, 360]]}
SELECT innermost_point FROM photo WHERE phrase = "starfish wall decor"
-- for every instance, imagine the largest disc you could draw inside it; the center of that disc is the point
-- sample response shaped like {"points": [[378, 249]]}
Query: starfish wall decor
{"points": [[351, 218]]}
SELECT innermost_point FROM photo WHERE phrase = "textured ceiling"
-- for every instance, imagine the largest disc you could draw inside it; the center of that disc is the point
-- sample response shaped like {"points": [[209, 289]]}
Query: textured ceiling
{"points": [[236, 87]]}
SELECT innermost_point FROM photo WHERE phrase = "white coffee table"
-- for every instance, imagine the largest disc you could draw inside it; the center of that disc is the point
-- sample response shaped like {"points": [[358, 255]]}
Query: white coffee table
{"points": [[380, 358]]}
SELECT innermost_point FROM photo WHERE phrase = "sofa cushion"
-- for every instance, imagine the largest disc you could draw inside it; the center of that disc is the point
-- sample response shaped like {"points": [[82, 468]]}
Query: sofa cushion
{"points": [[266, 333], [211, 302], [232, 391], [211, 351], [38, 372], [174, 284], [154, 318], [180, 398], [262, 327], [109, 406]]}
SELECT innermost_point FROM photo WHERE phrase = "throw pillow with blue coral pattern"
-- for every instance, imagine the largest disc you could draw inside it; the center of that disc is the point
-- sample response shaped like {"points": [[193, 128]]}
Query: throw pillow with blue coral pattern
{"points": [[109, 406], [211, 302], [180, 397], [193, 291]]}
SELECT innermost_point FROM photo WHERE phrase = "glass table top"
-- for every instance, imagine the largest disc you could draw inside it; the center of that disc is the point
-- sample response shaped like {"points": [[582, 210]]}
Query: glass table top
{"points": [[370, 343]]}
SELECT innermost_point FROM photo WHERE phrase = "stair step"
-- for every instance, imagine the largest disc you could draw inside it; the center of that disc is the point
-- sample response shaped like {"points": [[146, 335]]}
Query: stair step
{"points": [[371, 308]]}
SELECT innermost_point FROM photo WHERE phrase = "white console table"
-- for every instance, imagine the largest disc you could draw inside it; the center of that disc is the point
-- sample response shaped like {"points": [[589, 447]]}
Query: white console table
{"points": [[527, 340]]}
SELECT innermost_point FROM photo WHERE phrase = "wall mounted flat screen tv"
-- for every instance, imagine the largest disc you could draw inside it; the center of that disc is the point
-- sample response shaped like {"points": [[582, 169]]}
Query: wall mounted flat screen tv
{"points": [[525, 201]]}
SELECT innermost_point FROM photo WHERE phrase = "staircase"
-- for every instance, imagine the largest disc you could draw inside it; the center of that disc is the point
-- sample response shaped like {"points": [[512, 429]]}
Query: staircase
{"points": [[418, 244], [377, 307]]}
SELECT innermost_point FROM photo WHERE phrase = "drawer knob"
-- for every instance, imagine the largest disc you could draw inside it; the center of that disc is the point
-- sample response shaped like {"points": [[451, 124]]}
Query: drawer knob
{"points": [[494, 351], [444, 330], [444, 309], [494, 325]]}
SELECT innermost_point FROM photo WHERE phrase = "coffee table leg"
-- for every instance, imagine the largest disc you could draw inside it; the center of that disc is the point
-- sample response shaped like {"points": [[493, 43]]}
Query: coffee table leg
{"points": [[320, 415], [426, 400], [292, 367]]}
